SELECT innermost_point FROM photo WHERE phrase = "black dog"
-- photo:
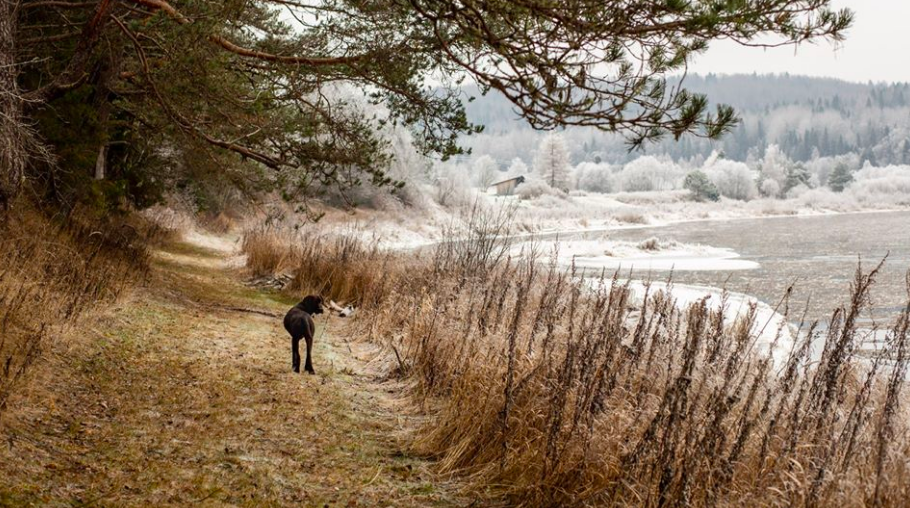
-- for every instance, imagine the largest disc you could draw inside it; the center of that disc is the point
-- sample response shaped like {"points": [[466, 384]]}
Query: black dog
{"points": [[299, 323]]}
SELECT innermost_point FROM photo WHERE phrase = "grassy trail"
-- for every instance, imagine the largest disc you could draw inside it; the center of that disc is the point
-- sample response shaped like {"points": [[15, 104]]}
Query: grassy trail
{"points": [[180, 395]]}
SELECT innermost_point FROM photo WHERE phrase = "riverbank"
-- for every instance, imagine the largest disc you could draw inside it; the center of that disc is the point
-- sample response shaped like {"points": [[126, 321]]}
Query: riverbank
{"points": [[542, 392], [396, 228]]}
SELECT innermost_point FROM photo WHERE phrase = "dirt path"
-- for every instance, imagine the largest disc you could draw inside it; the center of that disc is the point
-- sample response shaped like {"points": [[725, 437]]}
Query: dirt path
{"points": [[175, 397]]}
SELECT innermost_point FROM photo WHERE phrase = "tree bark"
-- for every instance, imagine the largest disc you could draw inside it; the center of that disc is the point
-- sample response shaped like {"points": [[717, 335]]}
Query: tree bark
{"points": [[12, 131], [101, 161], [103, 79]]}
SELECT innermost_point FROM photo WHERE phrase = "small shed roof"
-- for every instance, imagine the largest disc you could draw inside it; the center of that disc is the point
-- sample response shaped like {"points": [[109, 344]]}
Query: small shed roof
{"points": [[519, 178]]}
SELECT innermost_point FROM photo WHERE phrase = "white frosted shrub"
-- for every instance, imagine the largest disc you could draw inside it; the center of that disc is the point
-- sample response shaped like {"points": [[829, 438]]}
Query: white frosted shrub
{"points": [[535, 188], [888, 186], [649, 173], [733, 179], [826, 199], [594, 177], [770, 188], [797, 191]]}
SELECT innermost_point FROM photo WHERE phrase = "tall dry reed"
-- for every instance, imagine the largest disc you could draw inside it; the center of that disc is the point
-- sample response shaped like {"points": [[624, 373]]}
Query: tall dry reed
{"points": [[336, 264], [552, 389]]}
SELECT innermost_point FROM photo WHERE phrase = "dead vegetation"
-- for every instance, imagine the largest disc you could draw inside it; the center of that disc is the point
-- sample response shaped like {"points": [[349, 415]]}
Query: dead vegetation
{"points": [[338, 266], [550, 390], [180, 393], [53, 269]]}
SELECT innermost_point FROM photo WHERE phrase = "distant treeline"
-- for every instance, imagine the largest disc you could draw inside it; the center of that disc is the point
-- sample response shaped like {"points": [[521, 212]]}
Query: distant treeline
{"points": [[806, 117]]}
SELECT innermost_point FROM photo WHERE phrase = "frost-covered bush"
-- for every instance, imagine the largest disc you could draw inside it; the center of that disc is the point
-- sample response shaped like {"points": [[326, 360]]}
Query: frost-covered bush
{"points": [[629, 216], [451, 184], [534, 188], [654, 244], [594, 177], [797, 191], [882, 186], [649, 173], [770, 188], [826, 199], [484, 171], [556, 201], [733, 179]]}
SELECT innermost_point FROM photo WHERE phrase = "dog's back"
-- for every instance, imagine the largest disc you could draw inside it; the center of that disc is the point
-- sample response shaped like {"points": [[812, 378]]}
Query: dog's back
{"points": [[299, 322]]}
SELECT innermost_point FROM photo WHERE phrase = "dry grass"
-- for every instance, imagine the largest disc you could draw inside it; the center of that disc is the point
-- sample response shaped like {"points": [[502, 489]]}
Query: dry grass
{"points": [[550, 392], [52, 269], [336, 265], [181, 394]]}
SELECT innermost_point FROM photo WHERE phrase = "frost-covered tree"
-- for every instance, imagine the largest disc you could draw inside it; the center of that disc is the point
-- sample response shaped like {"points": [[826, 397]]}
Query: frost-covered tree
{"points": [[893, 148], [484, 171], [701, 187], [797, 175], [775, 165], [552, 162], [450, 183], [733, 179], [840, 178], [594, 177], [517, 168], [823, 167], [649, 173]]}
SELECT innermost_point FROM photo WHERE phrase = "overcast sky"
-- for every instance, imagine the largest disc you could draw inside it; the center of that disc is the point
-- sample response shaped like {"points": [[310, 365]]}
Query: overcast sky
{"points": [[877, 48]]}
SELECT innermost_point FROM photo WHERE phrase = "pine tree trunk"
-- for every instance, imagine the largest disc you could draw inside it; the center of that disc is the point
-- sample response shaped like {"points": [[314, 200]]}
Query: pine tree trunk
{"points": [[109, 68], [101, 162], [12, 143]]}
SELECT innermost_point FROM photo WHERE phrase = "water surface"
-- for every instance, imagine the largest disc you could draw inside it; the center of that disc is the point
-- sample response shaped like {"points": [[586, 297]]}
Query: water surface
{"points": [[818, 256]]}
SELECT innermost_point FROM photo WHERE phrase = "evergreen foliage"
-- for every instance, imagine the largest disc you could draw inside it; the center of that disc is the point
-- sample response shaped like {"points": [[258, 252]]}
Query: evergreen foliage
{"points": [[303, 96], [840, 178], [797, 174], [701, 187]]}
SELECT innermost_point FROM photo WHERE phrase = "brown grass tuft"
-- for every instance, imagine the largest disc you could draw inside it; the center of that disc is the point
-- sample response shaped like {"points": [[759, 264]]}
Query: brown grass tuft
{"points": [[336, 265]]}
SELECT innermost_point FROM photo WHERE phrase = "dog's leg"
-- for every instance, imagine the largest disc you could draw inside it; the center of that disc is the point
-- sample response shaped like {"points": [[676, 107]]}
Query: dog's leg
{"points": [[309, 348], [295, 354]]}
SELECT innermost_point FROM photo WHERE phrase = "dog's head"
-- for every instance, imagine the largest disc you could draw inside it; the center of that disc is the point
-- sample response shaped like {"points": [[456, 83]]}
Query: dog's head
{"points": [[312, 304]]}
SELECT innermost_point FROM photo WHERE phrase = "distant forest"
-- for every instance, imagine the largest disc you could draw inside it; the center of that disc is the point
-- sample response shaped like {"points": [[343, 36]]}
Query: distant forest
{"points": [[806, 117]]}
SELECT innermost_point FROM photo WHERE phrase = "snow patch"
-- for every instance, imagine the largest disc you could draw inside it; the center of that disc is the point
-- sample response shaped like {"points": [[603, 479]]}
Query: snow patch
{"points": [[652, 254], [768, 322]]}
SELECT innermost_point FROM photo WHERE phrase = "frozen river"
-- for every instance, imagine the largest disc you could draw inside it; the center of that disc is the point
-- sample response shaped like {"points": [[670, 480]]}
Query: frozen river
{"points": [[817, 255]]}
